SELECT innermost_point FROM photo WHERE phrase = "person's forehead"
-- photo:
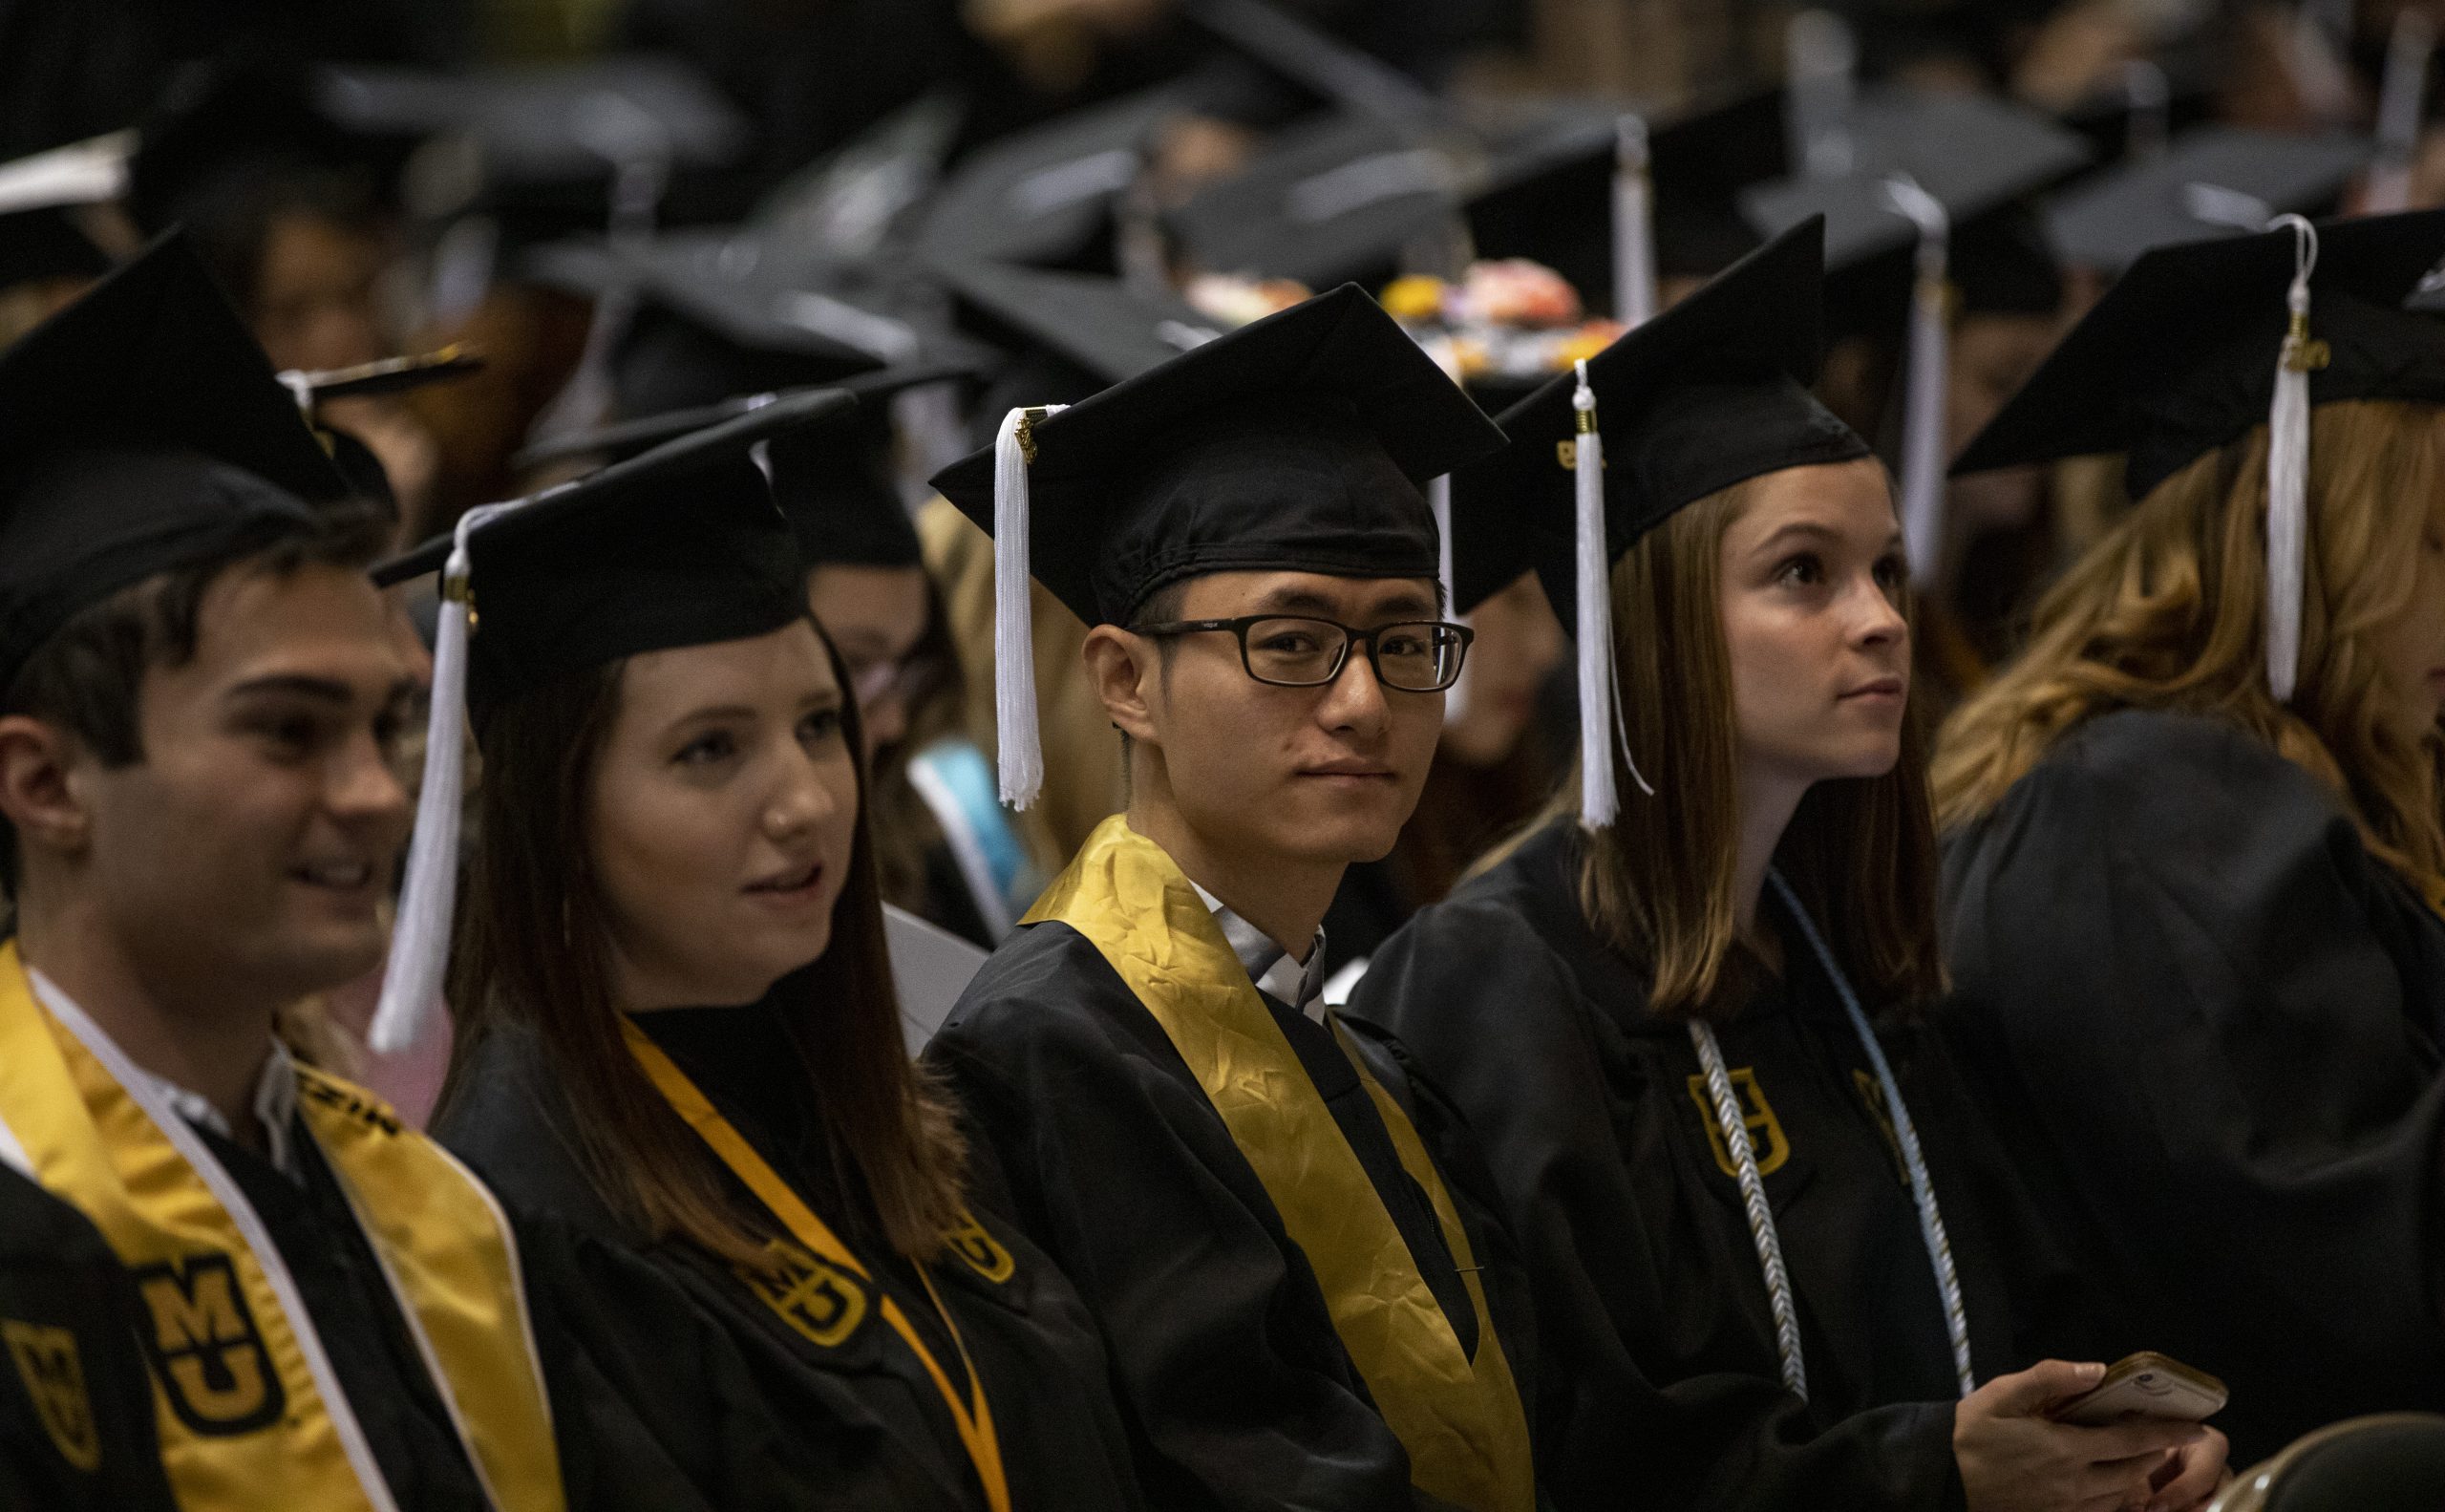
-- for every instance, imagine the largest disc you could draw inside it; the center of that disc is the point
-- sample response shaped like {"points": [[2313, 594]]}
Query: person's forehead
{"points": [[1223, 594], [315, 614]]}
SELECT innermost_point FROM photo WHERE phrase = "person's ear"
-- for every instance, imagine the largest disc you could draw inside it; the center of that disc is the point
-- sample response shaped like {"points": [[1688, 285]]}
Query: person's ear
{"points": [[39, 792], [1121, 668]]}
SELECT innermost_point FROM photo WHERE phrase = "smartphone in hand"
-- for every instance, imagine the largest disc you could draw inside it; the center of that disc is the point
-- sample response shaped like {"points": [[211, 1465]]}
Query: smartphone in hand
{"points": [[2145, 1385]]}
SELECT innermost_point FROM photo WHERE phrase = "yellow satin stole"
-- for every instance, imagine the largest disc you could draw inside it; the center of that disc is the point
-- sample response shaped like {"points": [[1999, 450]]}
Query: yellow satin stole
{"points": [[239, 1382], [1461, 1421]]}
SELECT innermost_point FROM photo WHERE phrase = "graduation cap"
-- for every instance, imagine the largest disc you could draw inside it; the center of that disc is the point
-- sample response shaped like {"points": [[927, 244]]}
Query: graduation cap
{"points": [[141, 429], [42, 201], [679, 546], [1044, 196], [223, 128], [1099, 325], [2201, 342], [1298, 443], [366, 478], [833, 483], [2216, 180], [1709, 393], [548, 123]]}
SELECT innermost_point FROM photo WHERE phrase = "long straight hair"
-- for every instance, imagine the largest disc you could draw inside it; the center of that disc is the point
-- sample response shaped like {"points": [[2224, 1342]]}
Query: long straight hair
{"points": [[2169, 612], [1660, 885], [534, 949]]}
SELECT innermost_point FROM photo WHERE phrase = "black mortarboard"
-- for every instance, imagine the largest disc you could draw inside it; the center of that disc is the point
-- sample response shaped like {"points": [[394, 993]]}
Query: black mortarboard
{"points": [[223, 128], [2215, 180], [47, 243], [681, 546], [140, 428], [366, 478], [1969, 154], [1044, 196], [2178, 358], [1096, 324], [2196, 345], [43, 200], [1710, 393], [1299, 442]]}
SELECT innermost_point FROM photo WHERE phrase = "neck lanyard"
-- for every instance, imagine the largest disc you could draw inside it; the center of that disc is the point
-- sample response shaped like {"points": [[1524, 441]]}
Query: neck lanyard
{"points": [[974, 1416], [1763, 1229]]}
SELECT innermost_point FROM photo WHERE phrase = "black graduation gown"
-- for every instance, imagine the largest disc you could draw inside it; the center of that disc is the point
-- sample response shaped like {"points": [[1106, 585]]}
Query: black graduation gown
{"points": [[71, 1382], [357, 1318], [676, 1387], [1659, 1383], [1238, 1393], [2206, 1020]]}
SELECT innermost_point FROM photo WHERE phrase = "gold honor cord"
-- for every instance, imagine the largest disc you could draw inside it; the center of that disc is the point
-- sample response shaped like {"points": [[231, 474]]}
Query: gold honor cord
{"points": [[974, 1416]]}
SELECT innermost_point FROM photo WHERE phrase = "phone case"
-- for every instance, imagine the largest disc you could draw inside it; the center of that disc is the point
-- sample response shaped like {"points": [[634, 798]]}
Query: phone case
{"points": [[2147, 1385]]}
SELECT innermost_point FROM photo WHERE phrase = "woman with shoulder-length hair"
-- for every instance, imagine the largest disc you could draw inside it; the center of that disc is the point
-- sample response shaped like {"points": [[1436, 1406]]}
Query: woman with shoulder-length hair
{"points": [[1759, 1284], [2194, 857], [681, 1062]]}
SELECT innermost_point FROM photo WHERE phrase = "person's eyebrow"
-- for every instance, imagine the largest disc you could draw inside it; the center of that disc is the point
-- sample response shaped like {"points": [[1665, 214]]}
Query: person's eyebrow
{"points": [[1302, 601], [301, 685]]}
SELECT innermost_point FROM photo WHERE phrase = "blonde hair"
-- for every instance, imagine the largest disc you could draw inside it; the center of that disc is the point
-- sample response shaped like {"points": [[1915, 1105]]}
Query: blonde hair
{"points": [[1659, 886], [2168, 612]]}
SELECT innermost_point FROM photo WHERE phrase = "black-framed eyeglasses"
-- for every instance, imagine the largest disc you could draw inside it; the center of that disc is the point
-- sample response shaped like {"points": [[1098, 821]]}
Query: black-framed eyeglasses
{"points": [[1290, 651]]}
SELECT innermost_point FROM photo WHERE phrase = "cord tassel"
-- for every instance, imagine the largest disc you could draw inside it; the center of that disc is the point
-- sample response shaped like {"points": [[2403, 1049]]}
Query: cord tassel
{"points": [[420, 939], [1015, 705], [1598, 724], [1922, 422], [1633, 225], [2287, 470]]}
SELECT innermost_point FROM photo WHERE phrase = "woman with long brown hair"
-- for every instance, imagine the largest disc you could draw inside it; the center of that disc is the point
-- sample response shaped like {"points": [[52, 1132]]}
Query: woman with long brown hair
{"points": [[681, 1062], [1759, 1281], [2195, 853]]}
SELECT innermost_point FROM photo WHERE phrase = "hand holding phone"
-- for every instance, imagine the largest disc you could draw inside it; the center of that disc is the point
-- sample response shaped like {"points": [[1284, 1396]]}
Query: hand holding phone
{"points": [[2145, 1385]]}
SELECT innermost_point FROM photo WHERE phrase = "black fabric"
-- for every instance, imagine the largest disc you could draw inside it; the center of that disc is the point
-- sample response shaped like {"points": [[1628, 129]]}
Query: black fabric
{"points": [[1660, 1384], [46, 243], [691, 559], [1096, 324], [1706, 395], [1298, 443], [1237, 1391], [676, 1387], [57, 1272], [2190, 190], [221, 130], [2206, 1021], [379, 1366], [835, 485], [2179, 357]]}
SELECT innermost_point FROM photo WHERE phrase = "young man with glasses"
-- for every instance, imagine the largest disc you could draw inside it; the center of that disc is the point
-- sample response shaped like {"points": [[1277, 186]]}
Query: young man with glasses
{"points": [[1275, 1225]]}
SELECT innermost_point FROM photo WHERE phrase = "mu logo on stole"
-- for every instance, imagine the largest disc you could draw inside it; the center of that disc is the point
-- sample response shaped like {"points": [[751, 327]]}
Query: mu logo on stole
{"points": [[54, 1377], [816, 1297], [1766, 1138], [205, 1348]]}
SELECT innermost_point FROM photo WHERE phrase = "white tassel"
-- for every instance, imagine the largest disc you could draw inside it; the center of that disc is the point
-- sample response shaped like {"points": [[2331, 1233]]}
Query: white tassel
{"points": [[1633, 225], [1923, 414], [1014, 709], [2287, 470], [1597, 799], [420, 939]]}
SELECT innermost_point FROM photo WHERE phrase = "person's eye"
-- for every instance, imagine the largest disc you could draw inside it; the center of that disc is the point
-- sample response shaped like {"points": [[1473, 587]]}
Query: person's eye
{"points": [[707, 748], [822, 727], [1409, 643], [1891, 571], [288, 737], [1289, 643], [1801, 571]]}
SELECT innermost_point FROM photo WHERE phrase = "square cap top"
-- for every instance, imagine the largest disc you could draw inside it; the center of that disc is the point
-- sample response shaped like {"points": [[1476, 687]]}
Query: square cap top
{"points": [[2180, 356], [2215, 180], [1097, 323], [1298, 443]]}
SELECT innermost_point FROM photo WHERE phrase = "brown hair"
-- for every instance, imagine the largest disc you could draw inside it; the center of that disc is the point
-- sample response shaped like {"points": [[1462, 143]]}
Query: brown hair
{"points": [[2168, 612], [534, 948], [1658, 886]]}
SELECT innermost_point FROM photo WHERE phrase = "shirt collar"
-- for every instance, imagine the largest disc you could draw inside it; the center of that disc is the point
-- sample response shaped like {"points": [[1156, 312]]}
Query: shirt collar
{"points": [[1270, 966], [275, 1098]]}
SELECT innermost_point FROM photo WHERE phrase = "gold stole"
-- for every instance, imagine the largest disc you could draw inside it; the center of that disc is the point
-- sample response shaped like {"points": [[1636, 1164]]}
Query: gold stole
{"points": [[238, 1383], [1462, 1423]]}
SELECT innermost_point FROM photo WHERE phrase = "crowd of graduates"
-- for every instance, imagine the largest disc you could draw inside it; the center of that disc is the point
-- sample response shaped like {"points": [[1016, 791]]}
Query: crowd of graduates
{"points": [[1219, 753]]}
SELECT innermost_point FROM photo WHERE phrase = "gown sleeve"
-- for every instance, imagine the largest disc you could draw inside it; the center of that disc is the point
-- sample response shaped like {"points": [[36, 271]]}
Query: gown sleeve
{"points": [[1237, 1389], [1496, 1017], [2204, 1016]]}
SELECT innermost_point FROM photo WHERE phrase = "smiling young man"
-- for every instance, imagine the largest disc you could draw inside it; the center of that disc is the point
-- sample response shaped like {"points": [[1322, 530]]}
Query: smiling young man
{"points": [[1292, 1297], [198, 691]]}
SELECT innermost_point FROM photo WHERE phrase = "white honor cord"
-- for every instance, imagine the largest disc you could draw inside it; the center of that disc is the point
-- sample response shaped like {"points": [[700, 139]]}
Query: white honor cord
{"points": [[1762, 1231], [1906, 1133]]}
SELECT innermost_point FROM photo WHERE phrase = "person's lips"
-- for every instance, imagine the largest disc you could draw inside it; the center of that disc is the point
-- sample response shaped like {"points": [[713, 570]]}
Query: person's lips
{"points": [[790, 886], [335, 874], [1349, 771], [1890, 689]]}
